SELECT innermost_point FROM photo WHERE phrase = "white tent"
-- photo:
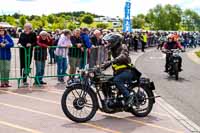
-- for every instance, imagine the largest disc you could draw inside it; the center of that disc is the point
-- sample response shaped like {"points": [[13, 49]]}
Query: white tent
{"points": [[6, 25]]}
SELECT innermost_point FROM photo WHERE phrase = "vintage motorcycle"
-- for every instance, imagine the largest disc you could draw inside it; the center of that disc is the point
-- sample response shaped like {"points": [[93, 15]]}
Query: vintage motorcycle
{"points": [[95, 90], [174, 61]]}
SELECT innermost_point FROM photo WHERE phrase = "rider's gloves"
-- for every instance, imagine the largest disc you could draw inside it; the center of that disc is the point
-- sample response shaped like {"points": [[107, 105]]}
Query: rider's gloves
{"points": [[107, 64]]}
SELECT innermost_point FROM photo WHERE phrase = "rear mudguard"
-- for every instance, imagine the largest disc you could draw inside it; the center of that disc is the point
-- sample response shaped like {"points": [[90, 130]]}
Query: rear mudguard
{"points": [[145, 83]]}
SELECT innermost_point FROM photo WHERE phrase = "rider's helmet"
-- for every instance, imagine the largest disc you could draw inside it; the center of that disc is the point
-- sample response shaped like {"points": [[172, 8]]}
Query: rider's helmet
{"points": [[113, 39], [170, 37]]}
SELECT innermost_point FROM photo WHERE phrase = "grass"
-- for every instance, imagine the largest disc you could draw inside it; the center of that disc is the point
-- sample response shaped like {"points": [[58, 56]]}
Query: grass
{"points": [[198, 54]]}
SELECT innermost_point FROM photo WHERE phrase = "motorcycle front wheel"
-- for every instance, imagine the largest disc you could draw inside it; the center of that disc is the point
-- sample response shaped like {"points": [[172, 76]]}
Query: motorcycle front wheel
{"points": [[143, 102], [78, 104]]}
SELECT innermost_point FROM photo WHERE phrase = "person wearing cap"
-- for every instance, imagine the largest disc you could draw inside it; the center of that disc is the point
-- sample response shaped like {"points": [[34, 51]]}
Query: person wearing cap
{"points": [[28, 40], [5, 56], [40, 55], [61, 53]]}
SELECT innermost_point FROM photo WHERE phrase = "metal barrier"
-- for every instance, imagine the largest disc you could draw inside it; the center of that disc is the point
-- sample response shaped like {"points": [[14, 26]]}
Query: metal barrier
{"points": [[10, 67], [64, 58], [97, 56], [32, 62]]}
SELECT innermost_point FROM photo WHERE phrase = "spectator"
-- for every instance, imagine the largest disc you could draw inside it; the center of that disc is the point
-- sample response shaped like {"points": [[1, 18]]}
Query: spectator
{"points": [[61, 53], [5, 56], [144, 41], [96, 50], [135, 39], [86, 42], [43, 41], [76, 53], [27, 39], [56, 37]]}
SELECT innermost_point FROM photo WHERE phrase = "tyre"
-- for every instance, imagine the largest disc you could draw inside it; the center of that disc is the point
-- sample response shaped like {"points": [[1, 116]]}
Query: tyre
{"points": [[176, 70], [76, 101], [145, 97]]}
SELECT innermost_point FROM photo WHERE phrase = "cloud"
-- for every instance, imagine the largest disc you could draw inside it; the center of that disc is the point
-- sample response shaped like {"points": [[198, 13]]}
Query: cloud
{"points": [[101, 7]]}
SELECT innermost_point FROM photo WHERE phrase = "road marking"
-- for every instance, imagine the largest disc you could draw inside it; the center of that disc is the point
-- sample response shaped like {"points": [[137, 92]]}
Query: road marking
{"points": [[130, 120], [147, 124], [159, 58], [53, 92], [57, 117], [186, 122], [18, 127]]}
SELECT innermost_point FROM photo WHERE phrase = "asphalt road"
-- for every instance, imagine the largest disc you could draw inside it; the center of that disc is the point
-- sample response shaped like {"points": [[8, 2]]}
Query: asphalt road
{"points": [[184, 94]]}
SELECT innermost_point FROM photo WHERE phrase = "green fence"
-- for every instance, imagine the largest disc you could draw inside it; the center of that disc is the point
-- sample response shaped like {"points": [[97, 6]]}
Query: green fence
{"points": [[33, 57], [10, 68], [51, 70]]}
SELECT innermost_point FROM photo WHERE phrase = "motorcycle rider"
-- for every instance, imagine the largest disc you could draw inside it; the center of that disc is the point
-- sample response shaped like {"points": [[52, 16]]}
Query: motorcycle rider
{"points": [[121, 63], [169, 45]]}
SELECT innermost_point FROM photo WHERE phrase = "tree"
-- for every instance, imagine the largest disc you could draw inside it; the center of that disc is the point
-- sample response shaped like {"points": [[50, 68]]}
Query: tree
{"points": [[87, 19], [71, 26], [102, 25], [139, 21], [22, 21], [16, 15], [1, 19], [50, 19], [190, 20], [164, 18], [11, 20]]}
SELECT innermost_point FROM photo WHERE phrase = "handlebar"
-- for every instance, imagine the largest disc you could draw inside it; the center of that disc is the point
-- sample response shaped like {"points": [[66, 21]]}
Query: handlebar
{"points": [[173, 51]]}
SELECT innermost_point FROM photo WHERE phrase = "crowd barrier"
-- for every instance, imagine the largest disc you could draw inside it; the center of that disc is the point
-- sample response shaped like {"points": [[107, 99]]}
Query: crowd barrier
{"points": [[10, 64], [33, 62]]}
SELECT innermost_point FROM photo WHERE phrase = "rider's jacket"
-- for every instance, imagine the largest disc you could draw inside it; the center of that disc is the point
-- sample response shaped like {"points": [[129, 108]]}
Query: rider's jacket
{"points": [[121, 57], [172, 45]]}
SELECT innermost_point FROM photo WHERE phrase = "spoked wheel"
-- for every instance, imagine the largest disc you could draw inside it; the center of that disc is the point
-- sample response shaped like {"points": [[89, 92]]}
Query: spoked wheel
{"points": [[176, 69], [143, 102], [78, 104]]}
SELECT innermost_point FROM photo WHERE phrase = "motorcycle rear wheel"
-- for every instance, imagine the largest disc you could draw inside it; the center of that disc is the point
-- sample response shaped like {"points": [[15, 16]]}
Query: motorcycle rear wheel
{"points": [[143, 113]]}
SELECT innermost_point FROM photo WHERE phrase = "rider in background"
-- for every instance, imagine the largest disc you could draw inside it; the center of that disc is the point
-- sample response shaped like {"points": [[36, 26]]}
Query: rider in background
{"points": [[169, 45]]}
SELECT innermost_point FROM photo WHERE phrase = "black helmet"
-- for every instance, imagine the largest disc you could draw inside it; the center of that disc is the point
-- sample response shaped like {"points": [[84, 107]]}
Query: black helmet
{"points": [[113, 39]]}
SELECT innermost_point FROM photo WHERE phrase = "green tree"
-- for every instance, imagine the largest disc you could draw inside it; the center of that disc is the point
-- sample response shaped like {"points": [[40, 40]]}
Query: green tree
{"points": [[164, 18], [16, 15], [10, 20], [71, 26], [87, 19], [139, 21], [22, 21], [190, 20], [50, 19], [102, 25], [1, 19]]}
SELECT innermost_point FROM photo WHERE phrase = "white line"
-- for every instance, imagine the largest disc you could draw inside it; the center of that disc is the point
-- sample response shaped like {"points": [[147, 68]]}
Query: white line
{"points": [[190, 125], [18, 127]]}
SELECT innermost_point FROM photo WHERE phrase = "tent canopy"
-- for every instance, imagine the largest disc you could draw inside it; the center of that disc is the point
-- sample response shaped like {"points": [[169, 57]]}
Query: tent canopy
{"points": [[6, 25]]}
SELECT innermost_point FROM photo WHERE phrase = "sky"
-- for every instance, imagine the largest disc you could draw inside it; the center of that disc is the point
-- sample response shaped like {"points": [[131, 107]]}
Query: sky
{"points": [[111, 8]]}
